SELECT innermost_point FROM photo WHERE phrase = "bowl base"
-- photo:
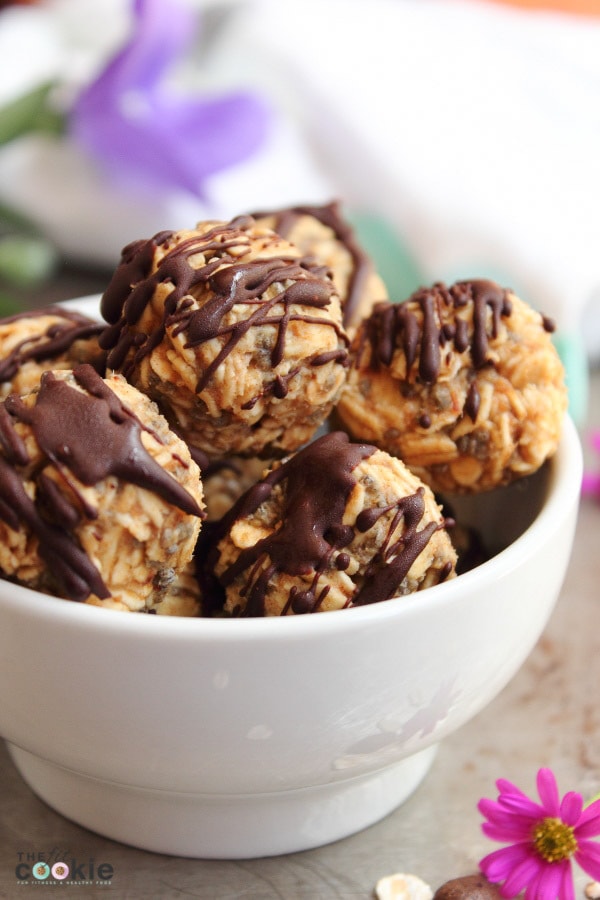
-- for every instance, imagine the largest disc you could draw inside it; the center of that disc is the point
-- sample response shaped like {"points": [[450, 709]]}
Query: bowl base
{"points": [[223, 826]]}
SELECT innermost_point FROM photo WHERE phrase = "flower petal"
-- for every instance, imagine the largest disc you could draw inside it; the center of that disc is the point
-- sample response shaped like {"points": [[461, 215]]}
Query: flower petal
{"points": [[548, 791], [512, 798], [141, 131], [552, 878], [589, 821], [515, 833], [591, 828], [566, 890], [571, 807], [590, 484], [505, 818], [587, 856], [549, 881], [524, 806], [497, 866], [161, 32], [507, 787], [521, 876], [533, 888]]}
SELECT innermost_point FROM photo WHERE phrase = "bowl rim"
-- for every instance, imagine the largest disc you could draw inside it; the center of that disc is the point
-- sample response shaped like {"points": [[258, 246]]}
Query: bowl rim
{"points": [[562, 492]]}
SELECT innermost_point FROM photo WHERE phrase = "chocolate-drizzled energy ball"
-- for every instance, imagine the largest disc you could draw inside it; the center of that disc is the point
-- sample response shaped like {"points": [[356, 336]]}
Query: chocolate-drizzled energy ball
{"points": [[34, 341], [323, 233], [99, 500], [237, 338], [336, 525], [463, 383], [224, 480]]}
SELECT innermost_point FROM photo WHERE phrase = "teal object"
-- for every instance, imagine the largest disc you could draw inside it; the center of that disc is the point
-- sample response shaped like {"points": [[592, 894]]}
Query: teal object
{"points": [[392, 259], [572, 352]]}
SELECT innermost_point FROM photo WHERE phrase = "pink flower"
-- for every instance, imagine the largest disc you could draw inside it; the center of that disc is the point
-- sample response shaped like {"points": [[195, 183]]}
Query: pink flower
{"points": [[591, 481], [542, 838]]}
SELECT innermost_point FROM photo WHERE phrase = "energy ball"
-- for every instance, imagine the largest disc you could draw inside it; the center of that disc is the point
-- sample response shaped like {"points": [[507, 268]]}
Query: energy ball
{"points": [[99, 501], [322, 233], [184, 596], [336, 525], [34, 341], [224, 480], [462, 383], [236, 337]]}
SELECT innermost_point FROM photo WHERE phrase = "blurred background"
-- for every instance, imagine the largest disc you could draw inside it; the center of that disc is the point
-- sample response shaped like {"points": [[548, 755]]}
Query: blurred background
{"points": [[462, 138]]}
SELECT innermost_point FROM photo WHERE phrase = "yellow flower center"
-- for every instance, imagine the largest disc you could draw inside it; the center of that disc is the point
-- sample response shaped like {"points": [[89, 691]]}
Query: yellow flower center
{"points": [[554, 840]]}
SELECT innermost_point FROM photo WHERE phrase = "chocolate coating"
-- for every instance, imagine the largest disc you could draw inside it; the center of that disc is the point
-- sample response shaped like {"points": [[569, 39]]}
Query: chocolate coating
{"points": [[463, 383], [57, 339], [234, 334], [330, 216], [392, 326], [91, 435], [133, 285], [314, 531]]}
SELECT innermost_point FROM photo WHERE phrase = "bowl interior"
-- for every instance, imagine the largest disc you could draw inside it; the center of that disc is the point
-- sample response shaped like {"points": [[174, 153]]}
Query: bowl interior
{"points": [[502, 515]]}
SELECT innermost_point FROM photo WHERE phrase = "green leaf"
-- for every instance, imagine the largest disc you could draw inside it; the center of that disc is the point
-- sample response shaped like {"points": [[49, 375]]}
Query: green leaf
{"points": [[26, 261], [30, 112], [8, 305], [12, 220]]}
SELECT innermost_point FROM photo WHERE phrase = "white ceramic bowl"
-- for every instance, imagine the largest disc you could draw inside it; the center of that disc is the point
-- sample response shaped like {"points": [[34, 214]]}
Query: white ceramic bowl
{"points": [[254, 737]]}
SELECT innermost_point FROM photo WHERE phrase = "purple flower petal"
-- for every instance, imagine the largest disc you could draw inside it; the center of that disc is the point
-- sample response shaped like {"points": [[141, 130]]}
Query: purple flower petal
{"points": [[589, 820], [517, 827], [513, 798], [571, 807], [515, 833], [521, 876], [523, 806], [130, 122], [567, 891], [163, 30], [551, 879], [500, 816], [547, 883], [590, 484], [498, 865], [587, 856], [507, 787], [548, 791]]}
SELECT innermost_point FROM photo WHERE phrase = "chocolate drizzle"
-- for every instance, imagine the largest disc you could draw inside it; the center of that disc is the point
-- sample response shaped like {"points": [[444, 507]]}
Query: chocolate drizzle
{"points": [[422, 334], [392, 563], [317, 482], [88, 434], [473, 401], [329, 215], [58, 338], [229, 280]]}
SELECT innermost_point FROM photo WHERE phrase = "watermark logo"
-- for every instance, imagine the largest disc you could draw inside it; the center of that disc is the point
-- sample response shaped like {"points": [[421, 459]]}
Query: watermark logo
{"points": [[60, 871], [41, 870], [60, 866]]}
